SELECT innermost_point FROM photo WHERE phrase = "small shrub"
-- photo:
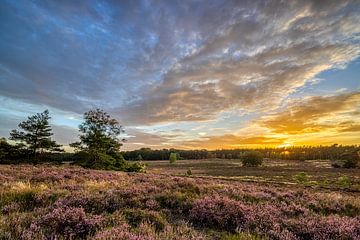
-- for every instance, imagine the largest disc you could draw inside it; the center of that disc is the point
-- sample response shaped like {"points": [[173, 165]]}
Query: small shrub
{"points": [[241, 236], [344, 182], [335, 164], [177, 202], [347, 160], [173, 157], [219, 213], [252, 159], [188, 172], [135, 167], [102, 161], [137, 216], [71, 223], [302, 178]]}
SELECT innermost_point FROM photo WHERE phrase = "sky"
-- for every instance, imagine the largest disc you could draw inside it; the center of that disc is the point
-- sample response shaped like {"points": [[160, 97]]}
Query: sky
{"points": [[186, 74]]}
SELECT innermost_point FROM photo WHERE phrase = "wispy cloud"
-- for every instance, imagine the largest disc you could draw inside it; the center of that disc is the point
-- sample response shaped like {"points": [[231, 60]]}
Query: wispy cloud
{"points": [[150, 63], [316, 114]]}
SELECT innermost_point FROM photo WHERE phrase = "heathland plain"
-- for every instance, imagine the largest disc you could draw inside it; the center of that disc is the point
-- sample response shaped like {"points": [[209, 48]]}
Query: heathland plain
{"points": [[214, 200]]}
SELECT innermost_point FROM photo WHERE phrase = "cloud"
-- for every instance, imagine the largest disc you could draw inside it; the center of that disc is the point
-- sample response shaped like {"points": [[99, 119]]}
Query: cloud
{"points": [[64, 134], [316, 114], [137, 139], [173, 61], [251, 63]]}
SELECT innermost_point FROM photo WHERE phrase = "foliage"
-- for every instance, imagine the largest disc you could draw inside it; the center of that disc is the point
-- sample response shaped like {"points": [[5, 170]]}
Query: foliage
{"points": [[99, 133], [10, 153], [173, 157], [113, 161], [347, 159], [344, 182], [36, 134], [137, 216], [351, 159], [293, 153], [57, 202], [242, 236], [302, 178], [72, 223], [252, 159], [99, 144]]}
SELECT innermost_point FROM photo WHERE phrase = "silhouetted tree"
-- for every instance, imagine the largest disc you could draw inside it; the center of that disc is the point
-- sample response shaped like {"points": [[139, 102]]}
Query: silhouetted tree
{"points": [[36, 134]]}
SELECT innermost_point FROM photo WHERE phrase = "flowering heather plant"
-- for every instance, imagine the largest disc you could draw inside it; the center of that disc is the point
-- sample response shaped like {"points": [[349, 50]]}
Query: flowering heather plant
{"points": [[70, 223], [47, 202], [147, 232], [220, 212]]}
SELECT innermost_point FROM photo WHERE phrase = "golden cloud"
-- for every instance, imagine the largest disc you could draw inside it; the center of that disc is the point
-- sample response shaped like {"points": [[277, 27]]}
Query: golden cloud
{"points": [[316, 114]]}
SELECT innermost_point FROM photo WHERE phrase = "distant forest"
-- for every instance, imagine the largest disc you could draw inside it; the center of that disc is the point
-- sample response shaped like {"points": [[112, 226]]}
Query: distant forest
{"points": [[295, 153]]}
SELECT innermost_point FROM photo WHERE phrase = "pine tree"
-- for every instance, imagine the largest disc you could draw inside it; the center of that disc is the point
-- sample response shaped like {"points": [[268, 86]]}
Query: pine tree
{"points": [[36, 134], [99, 133]]}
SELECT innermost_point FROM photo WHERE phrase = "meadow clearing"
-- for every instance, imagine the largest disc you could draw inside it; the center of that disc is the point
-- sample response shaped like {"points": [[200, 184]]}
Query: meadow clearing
{"points": [[219, 200]]}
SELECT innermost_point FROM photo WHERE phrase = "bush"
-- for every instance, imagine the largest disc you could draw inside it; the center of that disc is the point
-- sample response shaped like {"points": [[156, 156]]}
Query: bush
{"points": [[302, 178], [344, 182], [173, 157], [176, 202], [102, 161], [135, 167], [72, 223], [252, 159], [219, 213], [347, 160], [137, 216], [351, 160]]}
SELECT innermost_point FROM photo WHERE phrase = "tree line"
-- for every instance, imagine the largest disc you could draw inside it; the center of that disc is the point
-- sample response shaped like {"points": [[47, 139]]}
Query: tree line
{"points": [[340, 155], [295, 152]]}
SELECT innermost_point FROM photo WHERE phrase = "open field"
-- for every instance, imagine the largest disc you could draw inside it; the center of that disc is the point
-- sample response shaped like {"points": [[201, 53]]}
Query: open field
{"points": [[64, 202], [320, 173]]}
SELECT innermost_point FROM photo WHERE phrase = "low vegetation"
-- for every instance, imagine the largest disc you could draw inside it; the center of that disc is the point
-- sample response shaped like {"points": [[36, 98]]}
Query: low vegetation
{"points": [[252, 159], [48, 202]]}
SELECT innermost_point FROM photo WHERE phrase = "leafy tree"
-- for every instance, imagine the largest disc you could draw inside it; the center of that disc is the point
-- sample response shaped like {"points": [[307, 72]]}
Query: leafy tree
{"points": [[99, 145], [36, 134], [99, 133]]}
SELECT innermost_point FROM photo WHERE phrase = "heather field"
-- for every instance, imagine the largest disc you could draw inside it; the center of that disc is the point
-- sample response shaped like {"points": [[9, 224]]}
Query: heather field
{"points": [[65, 202], [310, 173]]}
